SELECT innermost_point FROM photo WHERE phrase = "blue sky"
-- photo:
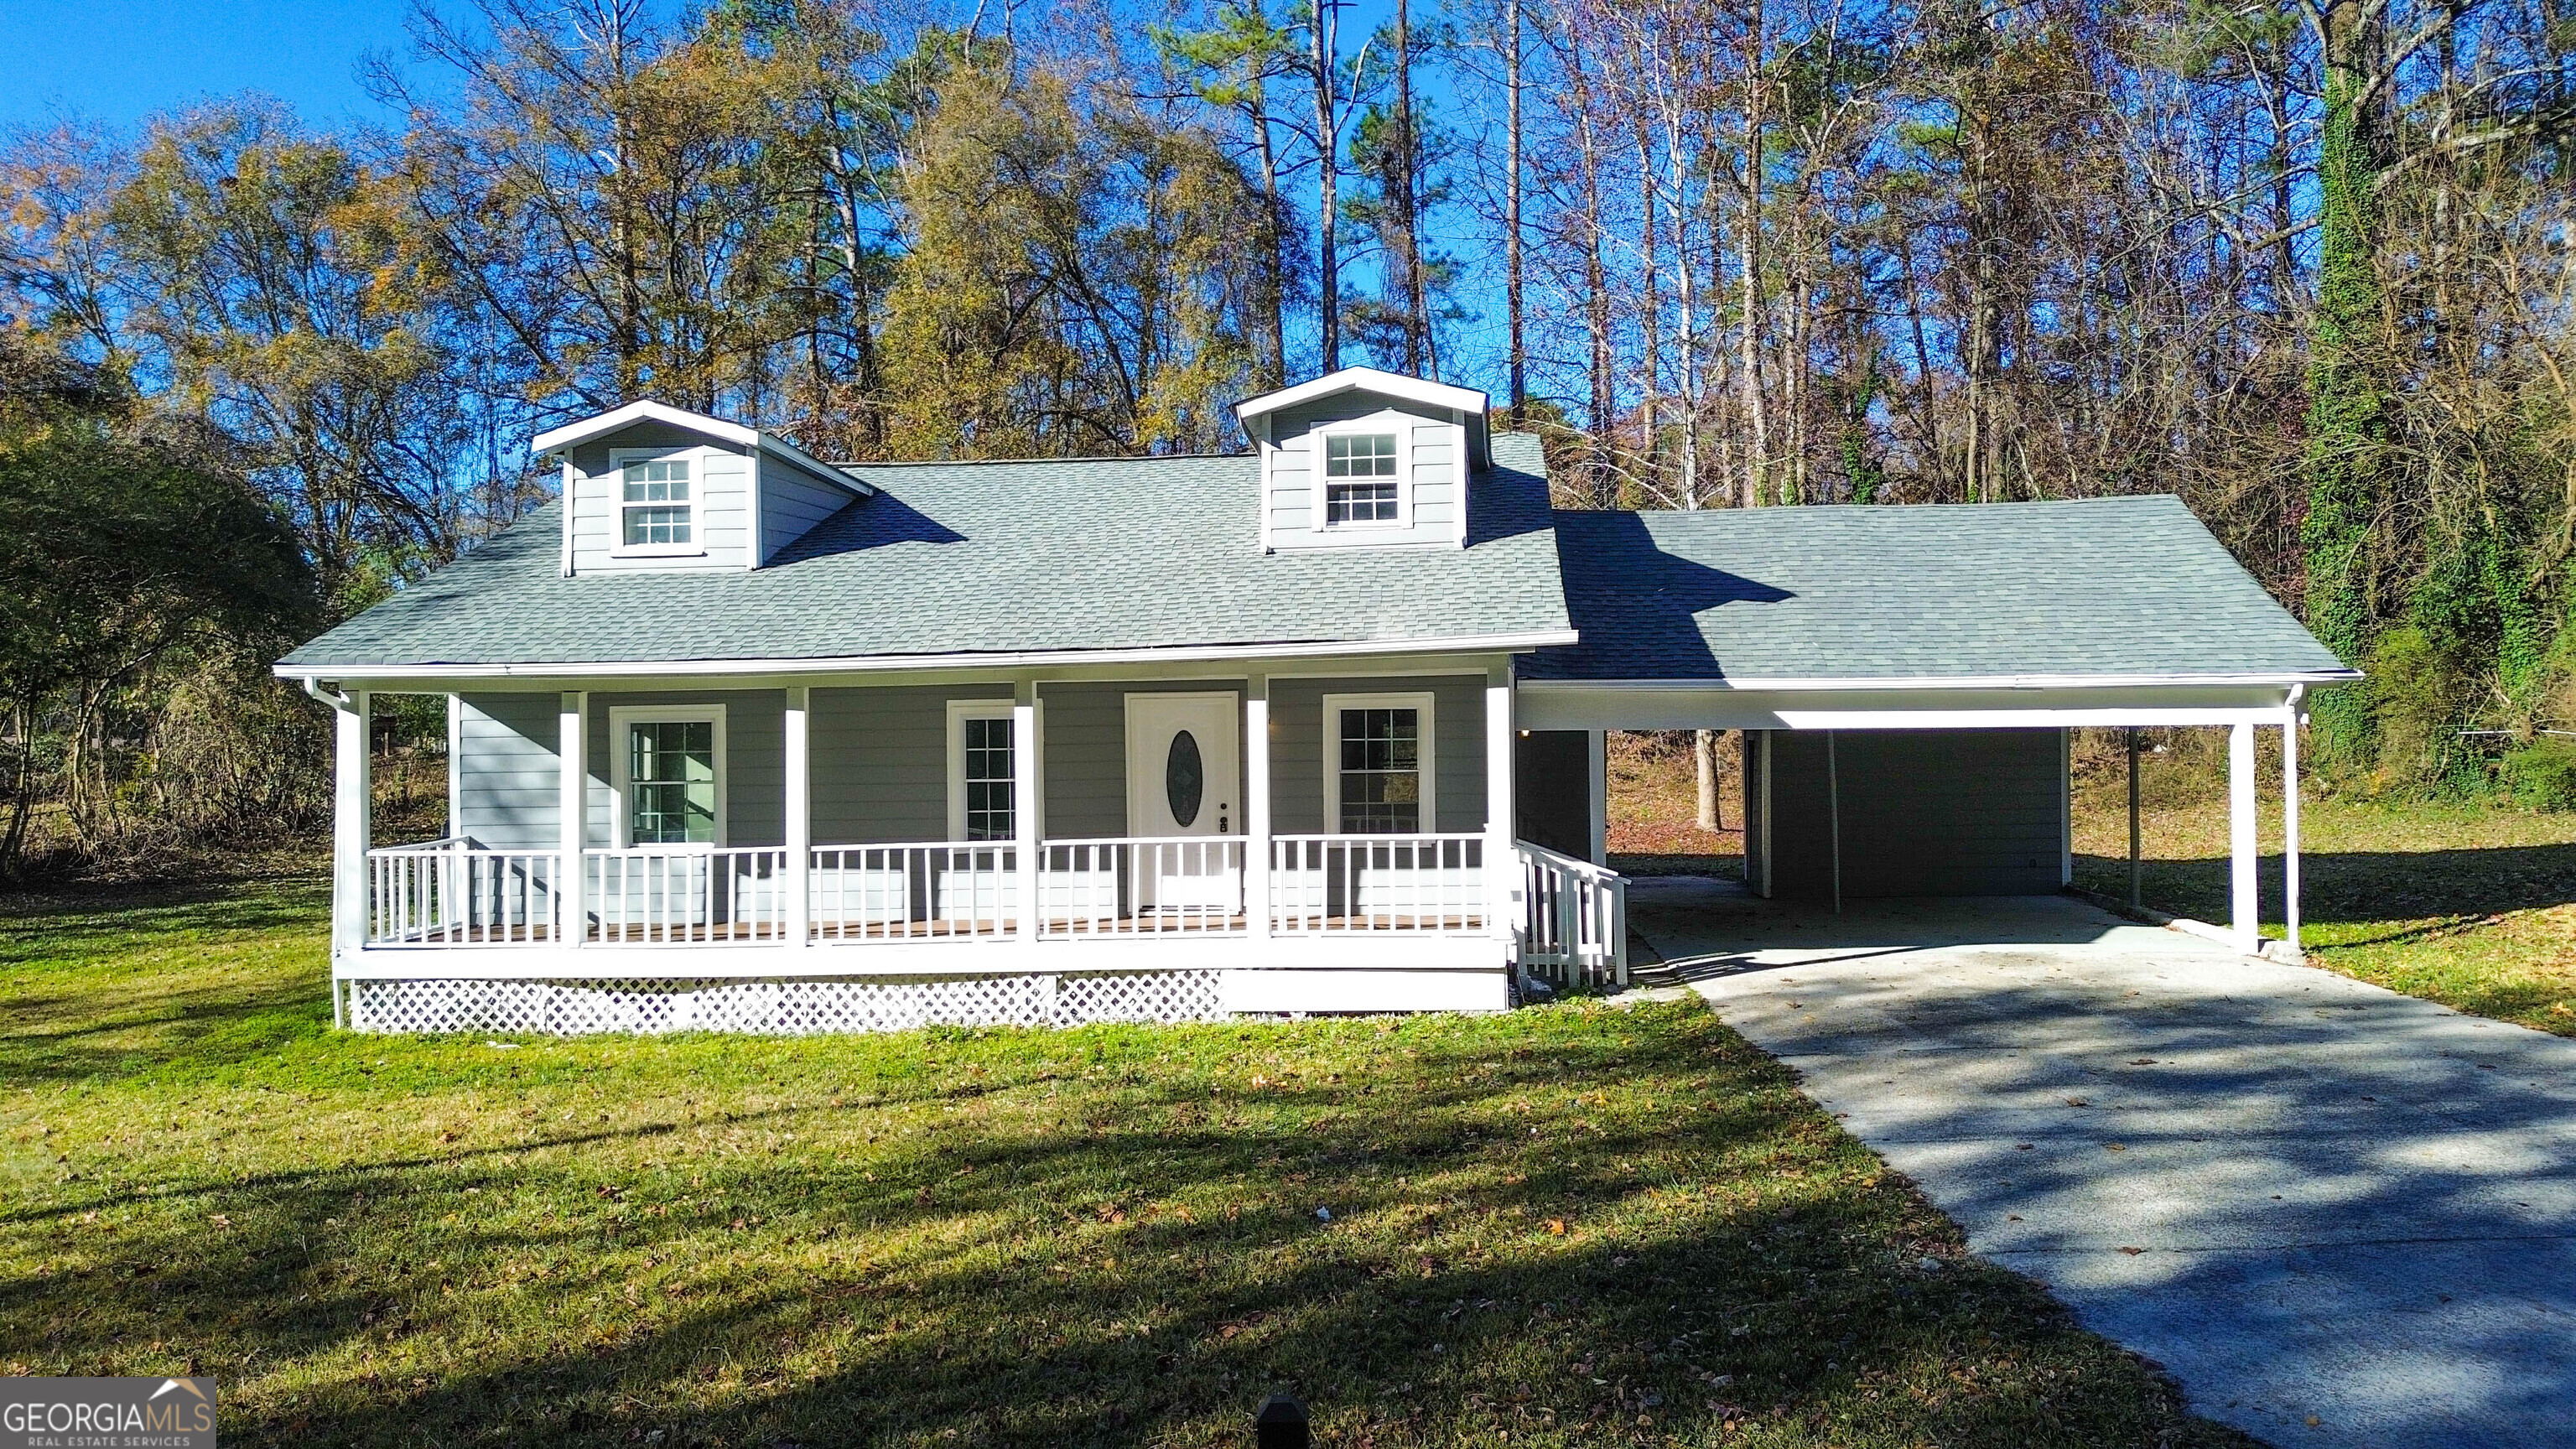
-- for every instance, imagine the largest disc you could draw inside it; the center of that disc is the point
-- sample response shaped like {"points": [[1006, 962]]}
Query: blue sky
{"points": [[120, 60]]}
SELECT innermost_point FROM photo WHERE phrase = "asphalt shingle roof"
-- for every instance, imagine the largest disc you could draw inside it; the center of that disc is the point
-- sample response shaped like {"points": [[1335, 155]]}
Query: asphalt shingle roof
{"points": [[990, 557], [2099, 587]]}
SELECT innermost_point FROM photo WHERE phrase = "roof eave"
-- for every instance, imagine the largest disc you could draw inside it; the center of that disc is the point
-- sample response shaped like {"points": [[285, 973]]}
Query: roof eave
{"points": [[1518, 643]]}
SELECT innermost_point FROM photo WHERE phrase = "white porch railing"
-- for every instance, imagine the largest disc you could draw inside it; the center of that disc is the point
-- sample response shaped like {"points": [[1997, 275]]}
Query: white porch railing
{"points": [[452, 892], [456, 893], [1142, 887], [922, 891], [1574, 919], [665, 895], [1340, 884]]}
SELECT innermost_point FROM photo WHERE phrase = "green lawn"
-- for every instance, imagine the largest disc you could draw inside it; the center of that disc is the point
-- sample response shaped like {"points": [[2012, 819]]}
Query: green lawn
{"points": [[1574, 1224], [2468, 904]]}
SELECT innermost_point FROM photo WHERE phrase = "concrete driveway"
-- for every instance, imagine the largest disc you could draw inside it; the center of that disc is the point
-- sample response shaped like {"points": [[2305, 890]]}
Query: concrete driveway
{"points": [[2308, 1198]]}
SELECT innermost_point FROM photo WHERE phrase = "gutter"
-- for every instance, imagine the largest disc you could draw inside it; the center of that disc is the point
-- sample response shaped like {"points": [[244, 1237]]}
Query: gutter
{"points": [[899, 663], [1917, 682]]}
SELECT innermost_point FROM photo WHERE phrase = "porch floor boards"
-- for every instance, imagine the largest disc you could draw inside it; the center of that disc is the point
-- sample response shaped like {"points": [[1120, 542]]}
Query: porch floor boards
{"points": [[1119, 927]]}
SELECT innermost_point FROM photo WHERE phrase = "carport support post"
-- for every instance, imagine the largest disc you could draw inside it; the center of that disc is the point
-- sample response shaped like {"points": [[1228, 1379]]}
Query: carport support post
{"points": [[2290, 823], [2134, 893], [1256, 806], [1834, 814], [2243, 920], [1024, 803], [352, 801]]}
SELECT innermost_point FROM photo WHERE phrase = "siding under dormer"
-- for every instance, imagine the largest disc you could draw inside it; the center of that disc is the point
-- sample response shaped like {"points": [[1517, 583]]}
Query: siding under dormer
{"points": [[1292, 466], [723, 482]]}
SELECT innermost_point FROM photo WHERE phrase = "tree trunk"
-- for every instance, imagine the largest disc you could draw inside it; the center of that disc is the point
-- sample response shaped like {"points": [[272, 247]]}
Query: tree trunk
{"points": [[1757, 460], [1704, 769], [1518, 325], [1328, 163], [2346, 403]]}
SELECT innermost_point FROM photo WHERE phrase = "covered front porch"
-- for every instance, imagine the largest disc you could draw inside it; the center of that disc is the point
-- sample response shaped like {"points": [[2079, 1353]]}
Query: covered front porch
{"points": [[863, 853]]}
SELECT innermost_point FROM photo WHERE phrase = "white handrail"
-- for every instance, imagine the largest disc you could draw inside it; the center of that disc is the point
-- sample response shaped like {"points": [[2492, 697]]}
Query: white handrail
{"points": [[915, 890], [1574, 919], [660, 895], [1142, 886], [444, 893], [1347, 884]]}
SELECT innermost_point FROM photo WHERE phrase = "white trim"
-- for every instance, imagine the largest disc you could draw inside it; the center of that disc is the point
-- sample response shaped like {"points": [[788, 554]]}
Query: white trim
{"points": [[1331, 750], [573, 434], [622, 762], [565, 498], [455, 764], [988, 707], [1389, 384], [1750, 685], [755, 544], [870, 663], [1319, 440], [696, 457]]}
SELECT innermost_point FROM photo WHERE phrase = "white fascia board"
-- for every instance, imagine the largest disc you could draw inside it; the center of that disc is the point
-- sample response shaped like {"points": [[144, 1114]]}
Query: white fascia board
{"points": [[1391, 384], [573, 434], [891, 663], [1993, 681], [555, 440], [1556, 706]]}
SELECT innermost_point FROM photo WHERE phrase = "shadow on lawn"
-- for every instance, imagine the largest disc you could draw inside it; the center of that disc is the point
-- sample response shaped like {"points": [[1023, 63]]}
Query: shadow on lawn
{"points": [[2359, 886], [779, 1303]]}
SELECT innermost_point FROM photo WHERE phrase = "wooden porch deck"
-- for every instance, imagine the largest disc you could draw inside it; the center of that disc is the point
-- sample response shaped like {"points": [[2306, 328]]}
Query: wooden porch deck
{"points": [[720, 933]]}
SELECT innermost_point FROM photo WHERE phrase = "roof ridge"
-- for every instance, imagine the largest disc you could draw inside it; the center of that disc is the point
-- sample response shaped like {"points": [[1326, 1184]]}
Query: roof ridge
{"points": [[1084, 458]]}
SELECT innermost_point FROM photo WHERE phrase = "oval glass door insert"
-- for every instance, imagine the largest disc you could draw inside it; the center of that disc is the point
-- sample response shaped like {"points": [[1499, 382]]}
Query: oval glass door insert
{"points": [[1184, 778]]}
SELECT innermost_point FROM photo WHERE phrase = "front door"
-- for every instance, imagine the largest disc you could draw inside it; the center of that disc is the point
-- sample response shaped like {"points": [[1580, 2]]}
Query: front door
{"points": [[1184, 773]]}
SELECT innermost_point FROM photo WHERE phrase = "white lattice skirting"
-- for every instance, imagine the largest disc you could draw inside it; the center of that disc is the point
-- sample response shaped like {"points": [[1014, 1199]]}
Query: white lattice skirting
{"points": [[786, 1007]]}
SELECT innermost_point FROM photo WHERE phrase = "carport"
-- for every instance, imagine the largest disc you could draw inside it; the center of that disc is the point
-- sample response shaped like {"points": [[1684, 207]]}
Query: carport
{"points": [[1906, 678]]}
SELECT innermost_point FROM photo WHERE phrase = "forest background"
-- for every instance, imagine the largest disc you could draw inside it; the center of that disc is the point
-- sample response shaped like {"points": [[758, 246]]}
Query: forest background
{"points": [[2306, 264]]}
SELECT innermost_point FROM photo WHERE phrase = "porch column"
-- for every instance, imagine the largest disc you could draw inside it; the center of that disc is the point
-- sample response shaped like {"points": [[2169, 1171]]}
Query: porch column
{"points": [[2243, 920], [1502, 862], [2290, 822], [1256, 806], [572, 819], [1024, 801], [1596, 745], [800, 814], [352, 821]]}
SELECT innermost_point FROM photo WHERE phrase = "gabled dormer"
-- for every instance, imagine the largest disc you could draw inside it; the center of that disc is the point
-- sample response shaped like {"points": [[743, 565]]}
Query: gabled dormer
{"points": [[656, 489], [1365, 459]]}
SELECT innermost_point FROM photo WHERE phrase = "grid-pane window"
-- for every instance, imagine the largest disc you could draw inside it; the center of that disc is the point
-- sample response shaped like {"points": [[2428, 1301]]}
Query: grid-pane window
{"points": [[671, 781], [654, 496], [1381, 771], [988, 780], [1359, 478]]}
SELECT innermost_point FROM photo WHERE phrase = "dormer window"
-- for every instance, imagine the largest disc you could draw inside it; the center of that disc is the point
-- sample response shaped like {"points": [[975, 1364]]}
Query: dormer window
{"points": [[1360, 484], [657, 508]]}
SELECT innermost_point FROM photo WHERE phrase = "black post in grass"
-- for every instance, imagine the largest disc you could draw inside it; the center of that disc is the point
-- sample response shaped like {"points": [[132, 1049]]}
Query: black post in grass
{"points": [[1281, 1424]]}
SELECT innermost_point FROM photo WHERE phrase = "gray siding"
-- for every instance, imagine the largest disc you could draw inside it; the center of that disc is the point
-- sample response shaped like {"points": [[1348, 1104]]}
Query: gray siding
{"points": [[724, 503], [1086, 753], [1297, 747], [791, 503], [1924, 812], [506, 771], [1294, 464], [881, 761]]}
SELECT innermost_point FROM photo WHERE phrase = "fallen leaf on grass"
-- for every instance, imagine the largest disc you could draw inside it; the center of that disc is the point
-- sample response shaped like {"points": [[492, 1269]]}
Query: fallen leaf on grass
{"points": [[2133, 1252]]}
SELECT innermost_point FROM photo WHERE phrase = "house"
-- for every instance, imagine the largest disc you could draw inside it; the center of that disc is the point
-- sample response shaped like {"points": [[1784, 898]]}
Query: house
{"points": [[743, 739]]}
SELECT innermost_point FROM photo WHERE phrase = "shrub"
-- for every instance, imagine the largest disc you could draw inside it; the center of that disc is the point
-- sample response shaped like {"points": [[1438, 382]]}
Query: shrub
{"points": [[2543, 775]]}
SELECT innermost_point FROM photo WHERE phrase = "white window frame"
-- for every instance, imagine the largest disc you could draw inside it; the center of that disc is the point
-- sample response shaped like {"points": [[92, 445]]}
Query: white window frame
{"points": [[998, 707], [1400, 426], [622, 767], [1334, 704], [618, 458]]}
